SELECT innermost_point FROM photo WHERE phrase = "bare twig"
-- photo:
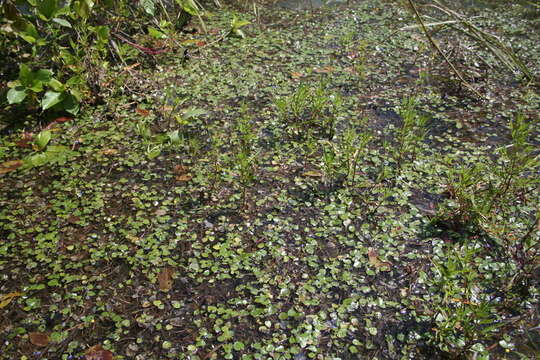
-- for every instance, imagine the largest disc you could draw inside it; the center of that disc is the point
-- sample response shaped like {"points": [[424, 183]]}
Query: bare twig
{"points": [[436, 46]]}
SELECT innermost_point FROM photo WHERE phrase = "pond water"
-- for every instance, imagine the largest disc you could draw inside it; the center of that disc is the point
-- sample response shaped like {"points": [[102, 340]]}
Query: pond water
{"points": [[299, 5], [308, 4]]}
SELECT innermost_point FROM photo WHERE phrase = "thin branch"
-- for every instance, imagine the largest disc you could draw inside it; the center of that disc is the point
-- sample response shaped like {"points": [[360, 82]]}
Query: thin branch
{"points": [[434, 44]]}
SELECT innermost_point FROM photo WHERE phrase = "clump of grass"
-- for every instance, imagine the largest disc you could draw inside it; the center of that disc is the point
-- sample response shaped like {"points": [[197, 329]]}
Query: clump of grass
{"points": [[310, 110], [245, 153]]}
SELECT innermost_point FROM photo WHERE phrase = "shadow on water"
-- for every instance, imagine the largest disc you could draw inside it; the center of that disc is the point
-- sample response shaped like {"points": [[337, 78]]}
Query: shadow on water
{"points": [[299, 5]]}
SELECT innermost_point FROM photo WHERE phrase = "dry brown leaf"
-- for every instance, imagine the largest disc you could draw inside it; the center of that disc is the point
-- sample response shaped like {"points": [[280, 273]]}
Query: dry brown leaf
{"points": [[131, 67], [109, 151], [23, 143], [373, 257], [142, 112], [63, 119], [296, 75], [134, 239], [52, 124], [313, 173], [180, 169], [39, 339], [184, 178], [324, 70], [96, 352], [160, 212], [9, 166], [6, 299], [165, 278]]}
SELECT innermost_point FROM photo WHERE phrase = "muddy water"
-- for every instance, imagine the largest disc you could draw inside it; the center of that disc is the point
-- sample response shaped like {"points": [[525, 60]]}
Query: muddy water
{"points": [[308, 4], [299, 5]]}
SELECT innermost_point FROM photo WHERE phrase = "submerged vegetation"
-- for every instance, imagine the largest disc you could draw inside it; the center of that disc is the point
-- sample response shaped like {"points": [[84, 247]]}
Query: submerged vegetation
{"points": [[206, 181]]}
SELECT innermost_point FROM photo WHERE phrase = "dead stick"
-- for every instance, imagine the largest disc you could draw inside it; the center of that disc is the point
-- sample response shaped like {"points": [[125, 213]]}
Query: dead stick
{"points": [[434, 44]]}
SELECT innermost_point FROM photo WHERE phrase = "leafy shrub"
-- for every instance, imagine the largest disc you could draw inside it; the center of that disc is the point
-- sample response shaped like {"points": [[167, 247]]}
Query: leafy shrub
{"points": [[62, 47]]}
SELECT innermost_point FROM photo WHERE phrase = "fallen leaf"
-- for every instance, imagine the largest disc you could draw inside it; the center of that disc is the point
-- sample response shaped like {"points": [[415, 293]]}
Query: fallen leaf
{"points": [[39, 339], [131, 67], [296, 75], [142, 112], [73, 219], [189, 42], [180, 169], [23, 143], [165, 278], [109, 151], [63, 119], [9, 166], [374, 260], [134, 239], [160, 212], [184, 178], [96, 352], [57, 121], [6, 299], [313, 173], [200, 43], [324, 70]]}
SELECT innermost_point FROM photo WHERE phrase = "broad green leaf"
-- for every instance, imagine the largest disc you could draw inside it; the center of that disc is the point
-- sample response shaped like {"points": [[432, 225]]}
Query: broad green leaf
{"points": [[29, 34], [193, 113], [56, 85], [153, 151], [43, 75], [102, 33], [189, 6], [50, 99], [37, 86], [62, 22], [77, 94], [239, 33], [238, 346], [83, 8], [47, 9], [155, 33], [25, 75], [75, 80], [41, 42], [238, 23], [36, 160], [71, 104], [55, 154], [16, 95], [42, 139], [149, 6]]}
